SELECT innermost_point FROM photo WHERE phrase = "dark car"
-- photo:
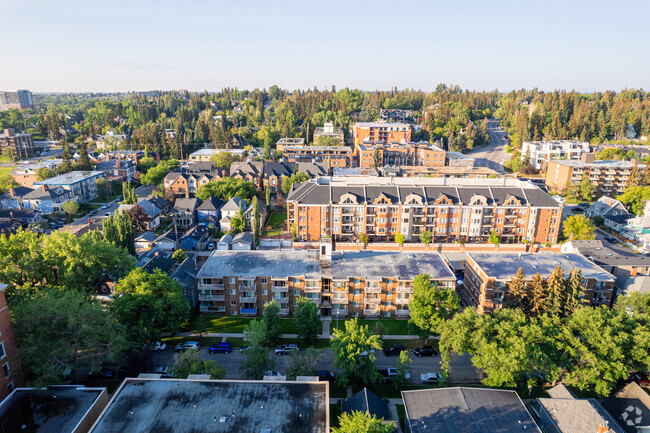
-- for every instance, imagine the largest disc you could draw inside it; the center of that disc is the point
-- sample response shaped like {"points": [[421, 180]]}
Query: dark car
{"points": [[220, 348], [583, 204], [425, 351], [326, 375], [395, 349], [611, 239], [102, 372]]}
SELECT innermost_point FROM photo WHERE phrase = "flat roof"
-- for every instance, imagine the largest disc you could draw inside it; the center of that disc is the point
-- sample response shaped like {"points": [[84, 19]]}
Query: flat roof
{"points": [[466, 410], [215, 406], [380, 124], [503, 266], [282, 264], [70, 178], [56, 409], [598, 164]]}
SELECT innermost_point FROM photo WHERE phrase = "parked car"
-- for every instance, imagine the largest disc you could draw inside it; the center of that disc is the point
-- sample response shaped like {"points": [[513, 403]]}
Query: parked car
{"points": [[558, 198], [211, 246], [163, 371], [430, 378], [326, 375], [220, 348], [641, 379], [583, 204], [365, 352], [286, 349], [395, 349], [389, 374], [188, 345], [425, 351], [611, 239], [272, 373], [103, 372], [577, 210], [159, 346]]}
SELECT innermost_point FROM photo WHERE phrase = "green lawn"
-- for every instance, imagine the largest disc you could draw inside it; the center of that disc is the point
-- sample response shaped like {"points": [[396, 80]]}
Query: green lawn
{"points": [[276, 220], [7, 170], [387, 326], [236, 324]]}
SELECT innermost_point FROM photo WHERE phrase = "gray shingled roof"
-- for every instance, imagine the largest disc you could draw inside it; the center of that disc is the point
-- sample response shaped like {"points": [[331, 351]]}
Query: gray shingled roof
{"points": [[366, 401], [630, 406]]}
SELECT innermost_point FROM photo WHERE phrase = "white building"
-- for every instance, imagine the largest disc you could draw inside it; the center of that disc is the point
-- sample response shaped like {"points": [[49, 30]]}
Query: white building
{"points": [[540, 152]]}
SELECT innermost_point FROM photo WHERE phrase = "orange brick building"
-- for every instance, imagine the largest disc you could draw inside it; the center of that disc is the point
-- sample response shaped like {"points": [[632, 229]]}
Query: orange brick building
{"points": [[334, 156], [385, 132], [10, 376], [400, 154], [452, 209]]}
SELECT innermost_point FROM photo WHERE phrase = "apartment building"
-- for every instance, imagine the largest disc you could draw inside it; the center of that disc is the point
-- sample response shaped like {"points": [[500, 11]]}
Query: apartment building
{"points": [[541, 152], [399, 154], [289, 141], [609, 177], [384, 132], [20, 145], [452, 209], [488, 276], [82, 184], [206, 154], [457, 159], [329, 131], [10, 377], [17, 100], [355, 284], [334, 156], [443, 172], [394, 114]]}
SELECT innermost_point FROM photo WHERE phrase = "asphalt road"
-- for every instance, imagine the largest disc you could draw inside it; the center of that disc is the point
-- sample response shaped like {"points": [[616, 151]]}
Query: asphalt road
{"points": [[142, 191], [494, 154], [462, 370]]}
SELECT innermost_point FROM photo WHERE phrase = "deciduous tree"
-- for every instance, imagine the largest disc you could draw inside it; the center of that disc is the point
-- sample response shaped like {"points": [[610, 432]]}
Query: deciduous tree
{"points": [[289, 181], [257, 360], [307, 320], [272, 321], [71, 207], [189, 362], [362, 422], [579, 227], [227, 188], [354, 352], [431, 305]]}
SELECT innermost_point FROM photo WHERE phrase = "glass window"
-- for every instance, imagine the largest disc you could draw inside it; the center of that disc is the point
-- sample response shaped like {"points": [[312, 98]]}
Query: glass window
{"points": [[233, 291], [6, 370], [264, 291], [355, 304], [231, 280], [296, 292]]}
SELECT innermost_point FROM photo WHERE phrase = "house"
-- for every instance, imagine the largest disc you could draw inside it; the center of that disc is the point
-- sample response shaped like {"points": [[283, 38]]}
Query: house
{"points": [[209, 212], [163, 262], [12, 199], [187, 184], [80, 183], [249, 214], [630, 407], [464, 410], [45, 199], [161, 203], [539, 153], [612, 211], [121, 170], [168, 241], [274, 172], [196, 238], [229, 210], [26, 173], [185, 275], [252, 171], [368, 402], [10, 373], [152, 209], [184, 212], [313, 169], [243, 241], [13, 219], [224, 242], [145, 240]]}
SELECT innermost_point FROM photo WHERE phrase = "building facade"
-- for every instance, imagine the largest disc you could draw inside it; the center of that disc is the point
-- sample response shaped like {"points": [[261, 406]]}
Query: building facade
{"points": [[333, 156], [329, 131], [488, 276], [10, 376], [541, 152], [20, 145], [452, 209], [608, 177], [384, 132], [17, 100], [80, 183], [355, 284], [399, 154]]}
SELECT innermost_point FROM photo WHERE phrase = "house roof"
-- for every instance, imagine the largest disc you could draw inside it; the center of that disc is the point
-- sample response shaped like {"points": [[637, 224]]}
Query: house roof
{"points": [[560, 391], [630, 406], [19, 191], [210, 204], [226, 239], [313, 169], [243, 238], [185, 273], [466, 410], [367, 401], [149, 207], [187, 205], [251, 168], [71, 178], [45, 192], [233, 204], [578, 415], [165, 264], [278, 169], [148, 236]]}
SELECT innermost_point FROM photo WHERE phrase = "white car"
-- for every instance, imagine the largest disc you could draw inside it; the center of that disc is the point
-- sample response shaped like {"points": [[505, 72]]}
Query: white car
{"points": [[430, 378], [159, 346], [286, 349], [272, 373], [558, 198], [392, 372], [188, 345]]}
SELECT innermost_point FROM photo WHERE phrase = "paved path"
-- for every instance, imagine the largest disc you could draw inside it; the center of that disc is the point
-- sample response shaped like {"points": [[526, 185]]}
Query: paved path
{"points": [[324, 335]]}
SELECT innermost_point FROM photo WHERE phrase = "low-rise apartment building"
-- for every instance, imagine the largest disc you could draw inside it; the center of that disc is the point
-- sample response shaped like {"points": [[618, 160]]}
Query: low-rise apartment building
{"points": [[443, 172], [80, 183], [333, 156], [394, 114], [10, 376], [355, 284], [452, 209], [457, 159], [206, 154], [608, 177], [541, 152], [488, 276], [16, 100], [289, 141], [384, 132], [399, 154], [20, 145], [329, 132]]}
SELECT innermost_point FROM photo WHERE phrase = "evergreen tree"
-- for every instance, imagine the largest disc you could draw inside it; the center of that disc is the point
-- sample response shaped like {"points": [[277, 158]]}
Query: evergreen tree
{"points": [[128, 193], [517, 295], [66, 160], [575, 291], [268, 199], [556, 291], [376, 159], [84, 160], [256, 217], [537, 291]]}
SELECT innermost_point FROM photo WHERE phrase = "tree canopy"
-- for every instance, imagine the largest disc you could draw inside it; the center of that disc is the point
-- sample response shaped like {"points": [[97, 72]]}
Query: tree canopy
{"points": [[579, 227], [354, 352], [227, 188], [430, 305]]}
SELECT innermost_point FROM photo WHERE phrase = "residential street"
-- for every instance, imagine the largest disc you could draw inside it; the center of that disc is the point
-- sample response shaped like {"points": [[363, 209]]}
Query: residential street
{"points": [[142, 191], [493, 155]]}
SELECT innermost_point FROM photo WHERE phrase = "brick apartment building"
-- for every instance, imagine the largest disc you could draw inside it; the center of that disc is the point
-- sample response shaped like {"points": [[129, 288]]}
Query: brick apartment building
{"points": [[609, 177], [10, 376], [334, 156], [452, 209], [356, 284], [487, 276], [17, 99], [384, 132], [400, 154], [20, 145]]}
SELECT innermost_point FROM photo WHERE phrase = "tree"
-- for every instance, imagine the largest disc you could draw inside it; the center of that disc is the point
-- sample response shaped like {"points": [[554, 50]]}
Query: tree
{"points": [[118, 230], [267, 196], [224, 159], [377, 159], [348, 346], [45, 173], [404, 370], [635, 198], [494, 238], [257, 360], [426, 237], [70, 207], [102, 188], [304, 363], [227, 188], [289, 181], [189, 362], [256, 217], [363, 238], [238, 222], [148, 304], [59, 330], [517, 295], [431, 306], [575, 292], [537, 290], [586, 189], [399, 239], [556, 293], [155, 175], [128, 193], [84, 160], [307, 321], [179, 255], [139, 218], [272, 321], [324, 140], [362, 422], [144, 164], [579, 227]]}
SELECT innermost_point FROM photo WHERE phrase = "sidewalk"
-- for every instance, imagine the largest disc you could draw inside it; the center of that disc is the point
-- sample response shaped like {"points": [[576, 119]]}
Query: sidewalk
{"points": [[321, 336]]}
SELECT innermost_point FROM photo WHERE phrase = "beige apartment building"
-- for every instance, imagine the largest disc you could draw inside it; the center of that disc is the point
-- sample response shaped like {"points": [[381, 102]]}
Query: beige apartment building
{"points": [[399, 154], [452, 209], [333, 156], [344, 284]]}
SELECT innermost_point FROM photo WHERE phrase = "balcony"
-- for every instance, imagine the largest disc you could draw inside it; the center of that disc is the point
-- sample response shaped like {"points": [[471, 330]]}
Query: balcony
{"points": [[370, 313], [248, 299], [340, 301], [276, 289], [599, 300], [212, 298], [340, 312], [248, 311], [402, 313], [283, 300], [212, 309], [315, 300], [312, 289], [283, 312], [404, 289], [373, 289], [402, 301], [243, 288], [372, 300]]}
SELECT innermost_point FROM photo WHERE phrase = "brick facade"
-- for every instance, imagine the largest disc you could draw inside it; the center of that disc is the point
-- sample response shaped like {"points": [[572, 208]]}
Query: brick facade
{"points": [[398, 154], [384, 132], [10, 374]]}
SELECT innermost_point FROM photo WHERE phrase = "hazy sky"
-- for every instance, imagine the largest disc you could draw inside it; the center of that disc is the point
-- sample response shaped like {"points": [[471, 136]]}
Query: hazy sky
{"points": [[120, 45]]}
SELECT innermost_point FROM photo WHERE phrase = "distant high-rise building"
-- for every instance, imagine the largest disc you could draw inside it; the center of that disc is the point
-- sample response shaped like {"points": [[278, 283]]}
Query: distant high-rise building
{"points": [[16, 99]]}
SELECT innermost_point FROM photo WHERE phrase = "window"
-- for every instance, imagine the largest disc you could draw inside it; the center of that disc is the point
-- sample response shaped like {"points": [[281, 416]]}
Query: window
{"points": [[263, 280], [233, 312], [356, 281], [207, 281], [2, 350], [356, 293], [388, 304], [296, 281], [233, 303], [265, 292], [296, 292], [6, 370], [231, 280], [389, 292], [387, 314], [355, 304], [10, 387], [233, 292]]}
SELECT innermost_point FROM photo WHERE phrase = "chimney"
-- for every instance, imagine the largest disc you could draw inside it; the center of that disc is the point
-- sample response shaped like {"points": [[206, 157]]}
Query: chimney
{"points": [[12, 192], [44, 188], [118, 164], [603, 428], [588, 158]]}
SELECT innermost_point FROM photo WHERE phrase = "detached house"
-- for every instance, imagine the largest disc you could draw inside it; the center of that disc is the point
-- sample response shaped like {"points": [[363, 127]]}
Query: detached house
{"points": [[184, 212], [613, 213], [252, 171], [209, 212], [45, 199], [229, 210], [187, 184], [118, 169], [154, 209], [250, 214], [274, 172]]}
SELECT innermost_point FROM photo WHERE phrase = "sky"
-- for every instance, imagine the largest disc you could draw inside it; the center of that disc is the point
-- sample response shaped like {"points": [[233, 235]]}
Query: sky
{"points": [[129, 45]]}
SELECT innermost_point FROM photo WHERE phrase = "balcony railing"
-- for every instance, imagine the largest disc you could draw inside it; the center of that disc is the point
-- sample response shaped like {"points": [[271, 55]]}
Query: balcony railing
{"points": [[312, 289], [276, 289], [248, 299], [373, 289], [372, 300], [340, 301], [402, 312], [403, 289], [212, 298], [281, 300], [243, 288], [370, 313], [341, 312], [402, 301]]}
